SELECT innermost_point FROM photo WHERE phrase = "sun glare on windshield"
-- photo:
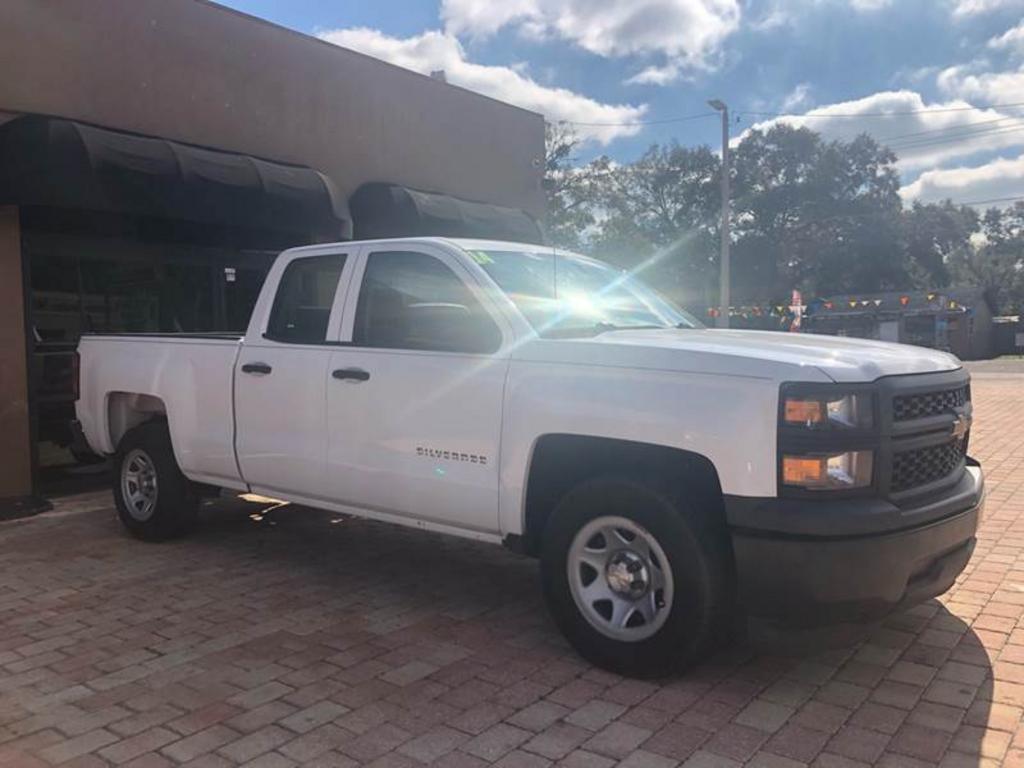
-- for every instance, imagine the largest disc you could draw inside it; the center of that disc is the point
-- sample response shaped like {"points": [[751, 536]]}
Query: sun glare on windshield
{"points": [[564, 294]]}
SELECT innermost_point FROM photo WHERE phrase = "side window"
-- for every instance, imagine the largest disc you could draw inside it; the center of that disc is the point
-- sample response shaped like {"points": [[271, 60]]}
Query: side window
{"points": [[304, 299], [411, 300]]}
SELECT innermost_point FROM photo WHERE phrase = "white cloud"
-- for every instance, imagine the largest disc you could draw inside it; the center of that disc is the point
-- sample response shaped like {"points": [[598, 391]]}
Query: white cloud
{"points": [[1011, 40], [869, 5], [773, 19], [788, 13], [655, 75], [797, 97], [991, 87], [976, 7], [917, 75], [885, 116], [482, 18], [999, 178], [434, 50], [686, 33]]}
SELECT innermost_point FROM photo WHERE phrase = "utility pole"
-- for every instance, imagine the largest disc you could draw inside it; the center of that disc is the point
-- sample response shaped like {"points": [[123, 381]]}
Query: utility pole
{"points": [[723, 289]]}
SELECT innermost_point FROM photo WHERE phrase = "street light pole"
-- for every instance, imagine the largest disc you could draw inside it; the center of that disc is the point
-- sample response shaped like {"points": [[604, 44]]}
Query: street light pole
{"points": [[723, 289]]}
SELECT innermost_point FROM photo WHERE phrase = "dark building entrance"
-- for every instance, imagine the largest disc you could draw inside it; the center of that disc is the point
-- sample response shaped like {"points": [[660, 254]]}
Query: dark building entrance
{"points": [[120, 232], [101, 273]]}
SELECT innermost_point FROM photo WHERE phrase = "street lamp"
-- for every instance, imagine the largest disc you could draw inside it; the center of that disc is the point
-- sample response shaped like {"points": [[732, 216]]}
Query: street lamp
{"points": [[723, 287]]}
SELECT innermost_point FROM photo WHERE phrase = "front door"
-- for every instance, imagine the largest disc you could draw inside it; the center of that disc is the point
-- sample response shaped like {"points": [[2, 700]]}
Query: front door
{"points": [[281, 378], [414, 401]]}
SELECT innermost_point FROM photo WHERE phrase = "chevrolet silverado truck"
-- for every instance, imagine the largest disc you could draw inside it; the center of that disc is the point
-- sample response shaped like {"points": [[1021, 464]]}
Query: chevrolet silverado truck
{"points": [[669, 477]]}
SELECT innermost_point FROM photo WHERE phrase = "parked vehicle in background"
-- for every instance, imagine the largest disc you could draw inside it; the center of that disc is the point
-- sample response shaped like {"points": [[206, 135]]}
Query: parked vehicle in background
{"points": [[669, 477]]}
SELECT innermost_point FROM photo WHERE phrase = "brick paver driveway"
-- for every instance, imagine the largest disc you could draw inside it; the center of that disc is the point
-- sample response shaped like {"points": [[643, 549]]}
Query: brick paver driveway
{"points": [[288, 637]]}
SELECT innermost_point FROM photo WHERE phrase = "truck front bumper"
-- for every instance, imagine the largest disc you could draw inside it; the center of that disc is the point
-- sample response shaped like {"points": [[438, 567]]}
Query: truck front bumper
{"points": [[821, 564]]}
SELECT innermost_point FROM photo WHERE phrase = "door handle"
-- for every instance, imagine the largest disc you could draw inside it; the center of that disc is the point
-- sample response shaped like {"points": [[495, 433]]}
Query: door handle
{"points": [[351, 374], [260, 368]]}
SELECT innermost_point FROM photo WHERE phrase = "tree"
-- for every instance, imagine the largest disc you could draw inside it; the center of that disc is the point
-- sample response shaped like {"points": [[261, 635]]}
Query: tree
{"points": [[821, 216], [997, 264], [660, 214], [935, 236], [568, 188]]}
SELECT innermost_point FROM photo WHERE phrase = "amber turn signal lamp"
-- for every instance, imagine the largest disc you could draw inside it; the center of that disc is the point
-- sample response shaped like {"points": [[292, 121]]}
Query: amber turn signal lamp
{"points": [[797, 470], [804, 411]]}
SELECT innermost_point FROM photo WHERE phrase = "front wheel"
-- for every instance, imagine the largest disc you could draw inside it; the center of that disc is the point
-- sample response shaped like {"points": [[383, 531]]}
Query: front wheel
{"points": [[154, 500], [636, 578]]}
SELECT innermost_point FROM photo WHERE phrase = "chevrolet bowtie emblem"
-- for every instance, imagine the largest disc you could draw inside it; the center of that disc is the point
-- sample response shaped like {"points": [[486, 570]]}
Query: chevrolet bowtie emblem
{"points": [[961, 426]]}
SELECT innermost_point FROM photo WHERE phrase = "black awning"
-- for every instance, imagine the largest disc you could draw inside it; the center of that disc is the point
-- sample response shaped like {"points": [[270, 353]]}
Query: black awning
{"points": [[389, 210], [61, 163]]}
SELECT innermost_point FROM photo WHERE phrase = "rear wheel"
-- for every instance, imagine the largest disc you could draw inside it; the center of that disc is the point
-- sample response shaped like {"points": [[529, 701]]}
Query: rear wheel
{"points": [[154, 499], [636, 578]]}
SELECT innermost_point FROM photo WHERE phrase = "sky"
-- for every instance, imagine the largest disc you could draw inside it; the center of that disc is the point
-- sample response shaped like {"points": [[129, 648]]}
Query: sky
{"points": [[940, 81]]}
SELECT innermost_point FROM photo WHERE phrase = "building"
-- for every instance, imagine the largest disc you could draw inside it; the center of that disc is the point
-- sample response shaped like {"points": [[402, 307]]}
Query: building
{"points": [[1008, 335], [958, 320], [156, 154]]}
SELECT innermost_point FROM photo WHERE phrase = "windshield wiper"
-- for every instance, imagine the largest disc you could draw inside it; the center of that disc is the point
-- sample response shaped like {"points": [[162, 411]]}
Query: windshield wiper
{"points": [[604, 327], [597, 328]]}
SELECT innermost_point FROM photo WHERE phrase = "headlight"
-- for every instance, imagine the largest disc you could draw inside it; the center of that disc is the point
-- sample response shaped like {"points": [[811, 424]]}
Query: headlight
{"points": [[850, 411], [820, 473]]}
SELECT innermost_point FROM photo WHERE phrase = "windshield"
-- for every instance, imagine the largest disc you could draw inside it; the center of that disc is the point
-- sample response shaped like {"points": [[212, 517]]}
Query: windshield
{"points": [[563, 294]]}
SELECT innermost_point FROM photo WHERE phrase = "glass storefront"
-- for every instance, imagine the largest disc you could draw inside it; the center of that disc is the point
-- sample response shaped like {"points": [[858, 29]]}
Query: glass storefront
{"points": [[89, 286]]}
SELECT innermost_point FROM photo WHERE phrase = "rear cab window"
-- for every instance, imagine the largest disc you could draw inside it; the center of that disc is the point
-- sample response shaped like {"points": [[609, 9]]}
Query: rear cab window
{"points": [[304, 299]]}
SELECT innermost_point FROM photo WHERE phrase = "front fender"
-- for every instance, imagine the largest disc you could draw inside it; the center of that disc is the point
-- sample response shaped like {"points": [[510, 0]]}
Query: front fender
{"points": [[730, 420]]}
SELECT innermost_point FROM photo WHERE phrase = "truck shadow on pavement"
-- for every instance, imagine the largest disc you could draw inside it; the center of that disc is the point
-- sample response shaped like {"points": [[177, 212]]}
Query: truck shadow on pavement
{"points": [[919, 686]]}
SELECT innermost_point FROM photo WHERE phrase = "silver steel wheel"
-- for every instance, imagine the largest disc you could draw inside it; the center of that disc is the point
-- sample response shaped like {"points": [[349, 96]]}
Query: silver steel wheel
{"points": [[620, 578], [138, 484]]}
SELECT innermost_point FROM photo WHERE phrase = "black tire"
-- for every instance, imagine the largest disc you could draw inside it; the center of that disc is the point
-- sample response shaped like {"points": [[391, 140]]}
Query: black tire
{"points": [[174, 509], [692, 537]]}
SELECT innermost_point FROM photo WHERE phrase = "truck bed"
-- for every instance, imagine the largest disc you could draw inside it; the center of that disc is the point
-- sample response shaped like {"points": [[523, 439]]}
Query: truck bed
{"points": [[187, 376]]}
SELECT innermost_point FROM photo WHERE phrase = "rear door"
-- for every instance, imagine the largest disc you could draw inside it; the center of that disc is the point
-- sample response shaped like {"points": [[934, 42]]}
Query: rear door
{"points": [[414, 395], [281, 377]]}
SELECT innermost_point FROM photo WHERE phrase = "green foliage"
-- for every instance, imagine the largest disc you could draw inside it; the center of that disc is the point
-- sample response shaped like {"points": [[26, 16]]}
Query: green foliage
{"points": [[937, 235], [822, 216], [996, 264], [568, 189], [661, 214]]}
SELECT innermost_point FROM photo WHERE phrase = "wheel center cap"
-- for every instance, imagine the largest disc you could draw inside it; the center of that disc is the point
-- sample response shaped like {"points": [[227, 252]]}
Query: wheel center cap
{"points": [[627, 574]]}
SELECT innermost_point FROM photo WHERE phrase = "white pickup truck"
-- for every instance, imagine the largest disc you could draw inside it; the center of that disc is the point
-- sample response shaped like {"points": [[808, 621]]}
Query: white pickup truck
{"points": [[669, 477]]}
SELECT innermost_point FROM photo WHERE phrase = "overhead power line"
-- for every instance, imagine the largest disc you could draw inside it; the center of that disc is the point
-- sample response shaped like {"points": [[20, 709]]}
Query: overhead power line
{"points": [[1010, 199], [954, 138], [946, 128]]}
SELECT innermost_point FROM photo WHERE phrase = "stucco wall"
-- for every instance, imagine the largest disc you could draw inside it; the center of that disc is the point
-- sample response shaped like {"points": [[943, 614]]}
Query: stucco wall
{"points": [[196, 72]]}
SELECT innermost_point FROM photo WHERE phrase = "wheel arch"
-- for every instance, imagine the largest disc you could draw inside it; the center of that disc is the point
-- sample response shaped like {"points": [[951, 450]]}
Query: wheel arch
{"points": [[559, 462], [126, 410]]}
